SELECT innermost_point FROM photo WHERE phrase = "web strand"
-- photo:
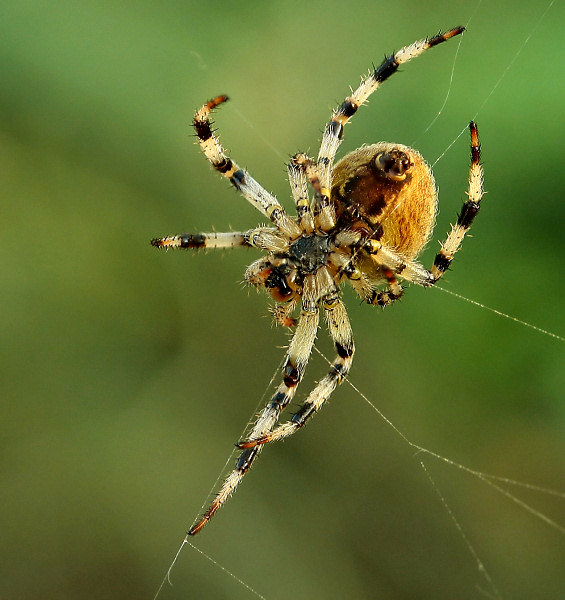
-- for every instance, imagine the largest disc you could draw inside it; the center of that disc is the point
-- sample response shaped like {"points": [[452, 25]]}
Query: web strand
{"points": [[451, 78], [501, 314], [186, 540], [480, 565], [498, 82], [214, 562], [486, 477]]}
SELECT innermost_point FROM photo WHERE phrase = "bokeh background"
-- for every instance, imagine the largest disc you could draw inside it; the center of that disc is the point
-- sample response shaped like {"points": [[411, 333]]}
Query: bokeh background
{"points": [[128, 373]]}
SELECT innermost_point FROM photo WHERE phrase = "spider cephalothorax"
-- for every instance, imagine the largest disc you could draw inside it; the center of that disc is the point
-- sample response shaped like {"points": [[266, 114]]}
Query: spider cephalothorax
{"points": [[369, 217]]}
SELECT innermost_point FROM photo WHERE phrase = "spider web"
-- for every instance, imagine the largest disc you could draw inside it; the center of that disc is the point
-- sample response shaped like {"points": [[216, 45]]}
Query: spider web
{"points": [[502, 485]]}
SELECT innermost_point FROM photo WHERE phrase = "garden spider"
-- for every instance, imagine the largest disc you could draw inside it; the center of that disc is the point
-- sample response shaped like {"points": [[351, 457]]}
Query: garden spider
{"points": [[370, 216]]}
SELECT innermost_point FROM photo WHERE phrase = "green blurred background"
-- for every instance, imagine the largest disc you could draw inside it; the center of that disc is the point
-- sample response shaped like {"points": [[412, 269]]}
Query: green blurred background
{"points": [[129, 373]]}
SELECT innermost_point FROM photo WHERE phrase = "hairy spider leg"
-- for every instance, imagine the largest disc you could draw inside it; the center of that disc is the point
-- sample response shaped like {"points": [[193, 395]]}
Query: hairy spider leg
{"points": [[202, 240], [297, 357], [321, 178], [333, 132], [468, 212], [365, 285], [299, 188], [324, 211], [266, 238], [239, 178], [342, 336]]}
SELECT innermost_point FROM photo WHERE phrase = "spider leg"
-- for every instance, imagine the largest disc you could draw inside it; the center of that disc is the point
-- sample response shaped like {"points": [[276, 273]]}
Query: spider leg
{"points": [[240, 179], [340, 331], [383, 298], [324, 212], [385, 258], [282, 314], [365, 282], [299, 187], [468, 212], [267, 238], [202, 240], [297, 357], [334, 129]]}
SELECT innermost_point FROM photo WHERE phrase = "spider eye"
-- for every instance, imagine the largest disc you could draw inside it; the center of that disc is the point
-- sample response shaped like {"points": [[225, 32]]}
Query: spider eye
{"points": [[395, 164]]}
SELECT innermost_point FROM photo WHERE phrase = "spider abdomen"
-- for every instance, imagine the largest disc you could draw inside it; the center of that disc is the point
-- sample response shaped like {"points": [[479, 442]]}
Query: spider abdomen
{"points": [[388, 192]]}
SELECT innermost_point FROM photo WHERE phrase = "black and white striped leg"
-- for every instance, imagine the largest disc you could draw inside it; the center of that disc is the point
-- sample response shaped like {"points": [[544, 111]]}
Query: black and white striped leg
{"points": [[342, 336], [202, 240], [240, 179], [299, 187], [298, 354], [324, 212], [267, 238], [469, 211], [385, 259], [334, 129]]}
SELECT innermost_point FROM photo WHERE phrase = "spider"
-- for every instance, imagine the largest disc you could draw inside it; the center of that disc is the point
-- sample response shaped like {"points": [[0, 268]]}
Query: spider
{"points": [[370, 216]]}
